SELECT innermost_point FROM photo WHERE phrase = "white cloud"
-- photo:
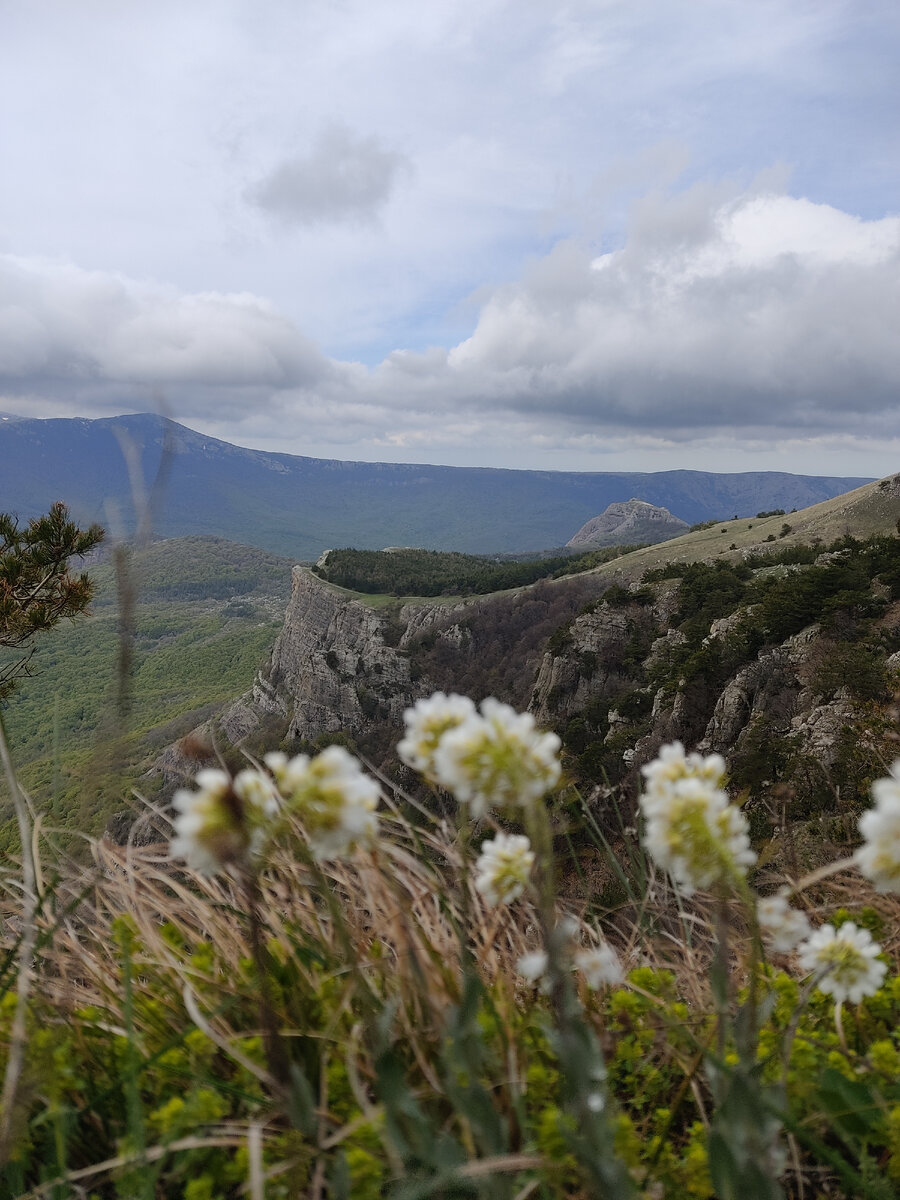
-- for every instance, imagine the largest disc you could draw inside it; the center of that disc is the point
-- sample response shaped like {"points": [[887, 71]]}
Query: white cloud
{"points": [[61, 325], [755, 310], [724, 317]]}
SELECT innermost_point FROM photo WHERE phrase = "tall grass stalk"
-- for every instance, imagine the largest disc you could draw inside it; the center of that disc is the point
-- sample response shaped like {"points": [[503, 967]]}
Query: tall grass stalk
{"points": [[25, 973]]}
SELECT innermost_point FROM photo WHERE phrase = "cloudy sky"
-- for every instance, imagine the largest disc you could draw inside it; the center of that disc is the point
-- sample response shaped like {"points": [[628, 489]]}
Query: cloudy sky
{"points": [[590, 235]]}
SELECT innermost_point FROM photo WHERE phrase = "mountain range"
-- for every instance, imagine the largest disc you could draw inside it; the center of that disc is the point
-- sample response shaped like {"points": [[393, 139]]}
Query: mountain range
{"points": [[299, 506]]}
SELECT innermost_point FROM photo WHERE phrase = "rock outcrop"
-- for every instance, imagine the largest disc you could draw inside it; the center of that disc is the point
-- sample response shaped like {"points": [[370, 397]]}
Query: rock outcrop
{"points": [[629, 522], [616, 670]]}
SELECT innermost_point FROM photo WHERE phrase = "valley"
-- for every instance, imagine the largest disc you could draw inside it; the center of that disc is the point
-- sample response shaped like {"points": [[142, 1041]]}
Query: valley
{"points": [[601, 646]]}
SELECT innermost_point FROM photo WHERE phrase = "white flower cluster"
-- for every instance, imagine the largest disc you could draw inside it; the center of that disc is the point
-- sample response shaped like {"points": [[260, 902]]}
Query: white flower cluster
{"points": [[846, 958], [692, 831], [492, 758], [783, 927], [879, 856], [503, 868], [599, 965], [334, 800], [228, 820], [426, 724], [224, 821]]}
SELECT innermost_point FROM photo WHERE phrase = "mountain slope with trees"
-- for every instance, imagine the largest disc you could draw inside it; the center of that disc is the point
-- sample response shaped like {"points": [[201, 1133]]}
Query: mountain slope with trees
{"points": [[299, 506]]}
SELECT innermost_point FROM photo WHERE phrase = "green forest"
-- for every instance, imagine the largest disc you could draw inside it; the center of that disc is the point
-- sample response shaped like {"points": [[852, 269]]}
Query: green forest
{"points": [[411, 572]]}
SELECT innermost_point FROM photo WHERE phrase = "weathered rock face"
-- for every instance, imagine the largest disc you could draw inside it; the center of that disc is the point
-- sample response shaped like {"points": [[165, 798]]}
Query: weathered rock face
{"points": [[591, 665], [613, 676], [622, 681], [608, 649], [766, 688], [337, 663], [341, 666]]}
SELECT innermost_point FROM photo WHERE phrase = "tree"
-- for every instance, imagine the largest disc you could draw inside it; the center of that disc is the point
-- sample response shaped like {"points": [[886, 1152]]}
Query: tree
{"points": [[37, 588]]}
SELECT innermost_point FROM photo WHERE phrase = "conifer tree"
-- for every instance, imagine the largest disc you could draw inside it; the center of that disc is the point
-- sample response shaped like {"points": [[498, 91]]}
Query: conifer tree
{"points": [[37, 587]]}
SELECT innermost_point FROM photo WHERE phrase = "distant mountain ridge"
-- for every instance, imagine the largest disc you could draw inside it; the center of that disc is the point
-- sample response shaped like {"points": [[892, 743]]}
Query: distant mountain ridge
{"points": [[629, 523], [299, 506]]}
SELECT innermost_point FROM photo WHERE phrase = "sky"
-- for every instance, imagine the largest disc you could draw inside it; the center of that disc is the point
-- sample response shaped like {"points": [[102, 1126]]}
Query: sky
{"points": [[588, 235]]}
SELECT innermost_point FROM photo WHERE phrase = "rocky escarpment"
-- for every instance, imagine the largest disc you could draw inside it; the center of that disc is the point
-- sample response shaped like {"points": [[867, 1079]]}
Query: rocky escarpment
{"points": [[338, 666], [343, 667], [803, 722], [785, 664]]}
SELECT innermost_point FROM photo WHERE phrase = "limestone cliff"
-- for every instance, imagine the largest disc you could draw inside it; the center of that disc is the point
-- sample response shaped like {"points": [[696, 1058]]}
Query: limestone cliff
{"points": [[338, 665], [802, 724]]}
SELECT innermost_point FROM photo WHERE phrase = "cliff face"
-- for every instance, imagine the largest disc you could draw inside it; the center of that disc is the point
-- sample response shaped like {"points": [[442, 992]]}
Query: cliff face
{"points": [[787, 670], [337, 665], [341, 666]]}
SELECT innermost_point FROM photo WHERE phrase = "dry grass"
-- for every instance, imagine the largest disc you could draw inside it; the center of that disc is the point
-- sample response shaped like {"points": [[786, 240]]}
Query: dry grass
{"points": [[389, 927]]}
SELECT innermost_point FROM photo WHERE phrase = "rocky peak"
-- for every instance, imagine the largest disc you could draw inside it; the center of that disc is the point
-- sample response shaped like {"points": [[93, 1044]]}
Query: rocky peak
{"points": [[626, 521]]}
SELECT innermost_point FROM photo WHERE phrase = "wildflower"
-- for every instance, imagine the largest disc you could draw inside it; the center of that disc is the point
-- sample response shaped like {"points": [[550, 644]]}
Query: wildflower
{"points": [[334, 800], [673, 764], [691, 829], [879, 857], [532, 966], [599, 965], [503, 867], [497, 758], [224, 821], [426, 723], [257, 791], [848, 958], [783, 927]]}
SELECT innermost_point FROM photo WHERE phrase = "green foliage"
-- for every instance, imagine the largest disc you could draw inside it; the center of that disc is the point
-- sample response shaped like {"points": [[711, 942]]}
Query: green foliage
{"points": [[857, 666], [432, 1073]]}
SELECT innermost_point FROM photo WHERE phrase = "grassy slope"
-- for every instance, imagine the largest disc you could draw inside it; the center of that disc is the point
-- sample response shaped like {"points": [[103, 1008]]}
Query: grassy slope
{"points": [[865, 511], [208, 614]]}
